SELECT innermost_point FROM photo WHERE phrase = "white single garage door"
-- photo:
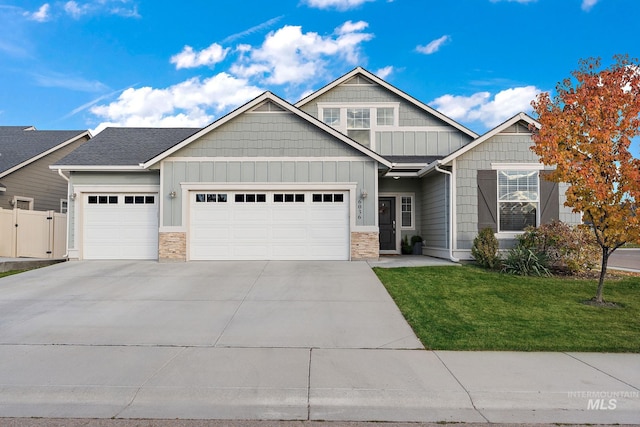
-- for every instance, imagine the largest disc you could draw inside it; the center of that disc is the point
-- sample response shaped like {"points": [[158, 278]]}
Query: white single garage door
{"points": [[120, 226], [269, 225]]}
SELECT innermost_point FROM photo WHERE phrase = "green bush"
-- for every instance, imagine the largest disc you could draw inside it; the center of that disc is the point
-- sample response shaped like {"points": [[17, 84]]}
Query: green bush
{"points": [[567, 249], [406, 248], [525, 262], [485, 249]]}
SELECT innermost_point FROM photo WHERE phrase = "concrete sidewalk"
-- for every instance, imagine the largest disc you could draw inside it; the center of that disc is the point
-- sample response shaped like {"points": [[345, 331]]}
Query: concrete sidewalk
{"points": [[269, 341]]}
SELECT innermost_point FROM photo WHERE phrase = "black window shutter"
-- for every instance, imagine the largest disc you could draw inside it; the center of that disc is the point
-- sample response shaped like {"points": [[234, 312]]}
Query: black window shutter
{"points": [[487, 200], [549, 199]]}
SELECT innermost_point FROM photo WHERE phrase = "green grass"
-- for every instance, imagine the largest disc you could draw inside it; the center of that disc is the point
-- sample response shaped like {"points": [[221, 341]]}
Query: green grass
{"points": [[468, 308], [10, 272]]}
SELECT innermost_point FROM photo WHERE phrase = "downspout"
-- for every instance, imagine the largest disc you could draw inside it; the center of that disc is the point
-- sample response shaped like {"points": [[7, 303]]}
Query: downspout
{"points": [[451, 219], [66, 245]]}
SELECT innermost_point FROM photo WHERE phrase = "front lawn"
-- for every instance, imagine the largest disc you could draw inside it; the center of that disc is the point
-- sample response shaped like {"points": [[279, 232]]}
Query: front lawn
{"points": [[468, 308]]}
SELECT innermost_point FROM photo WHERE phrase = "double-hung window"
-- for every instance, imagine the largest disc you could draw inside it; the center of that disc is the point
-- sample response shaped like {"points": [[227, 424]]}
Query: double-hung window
{"points": [[359, 125], [518, 199]]}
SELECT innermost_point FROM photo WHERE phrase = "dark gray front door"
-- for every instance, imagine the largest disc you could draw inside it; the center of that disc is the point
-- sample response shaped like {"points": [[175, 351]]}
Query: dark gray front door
{"points": [[387, 223]]}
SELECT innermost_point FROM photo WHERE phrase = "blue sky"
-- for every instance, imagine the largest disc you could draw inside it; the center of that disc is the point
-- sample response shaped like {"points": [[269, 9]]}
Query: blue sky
{"points": [[87, 64]]}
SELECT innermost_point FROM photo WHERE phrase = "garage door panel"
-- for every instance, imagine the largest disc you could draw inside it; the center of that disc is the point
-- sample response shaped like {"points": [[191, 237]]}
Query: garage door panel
{"points": [[281, 226], [114, 229]]}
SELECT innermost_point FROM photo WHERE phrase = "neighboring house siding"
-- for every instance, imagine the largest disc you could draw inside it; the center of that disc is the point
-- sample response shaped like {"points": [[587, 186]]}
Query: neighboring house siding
{"points": [[499, 149], [434, 210], [37, 181], [106, 180]]}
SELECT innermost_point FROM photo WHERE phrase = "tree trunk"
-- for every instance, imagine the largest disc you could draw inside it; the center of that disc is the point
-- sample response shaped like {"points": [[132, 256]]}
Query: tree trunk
{"points": [[603, 273]]}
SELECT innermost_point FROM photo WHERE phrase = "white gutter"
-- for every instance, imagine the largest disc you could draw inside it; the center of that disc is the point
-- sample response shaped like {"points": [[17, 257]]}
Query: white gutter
{"points": [[451, 219], [66, 254]]}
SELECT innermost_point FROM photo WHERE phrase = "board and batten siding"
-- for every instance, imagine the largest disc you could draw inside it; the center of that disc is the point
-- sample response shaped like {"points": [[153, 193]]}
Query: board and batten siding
{"points": [[240, 151], [105, 179], [219, 171], [419, 143], [38, 182]]}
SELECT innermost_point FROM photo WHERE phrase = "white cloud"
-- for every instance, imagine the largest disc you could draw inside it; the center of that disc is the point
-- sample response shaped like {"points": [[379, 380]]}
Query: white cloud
{"points": [[433, 46], [588, 4], [190, 59], [336, 4], [74, 10], [384, 72], [185, 104], [290, 56], [67, 81], [253, 29], [480, 107], [41, 15]]}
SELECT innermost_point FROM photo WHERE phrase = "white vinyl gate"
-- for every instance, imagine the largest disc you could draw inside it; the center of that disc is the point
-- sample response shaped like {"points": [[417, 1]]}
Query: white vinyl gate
{"points": [[32, 234], [269, 225]]}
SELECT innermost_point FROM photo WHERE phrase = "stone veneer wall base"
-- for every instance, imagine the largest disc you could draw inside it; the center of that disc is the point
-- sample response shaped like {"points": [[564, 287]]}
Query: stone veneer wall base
{"points": [[364, 245], [172, 247]]}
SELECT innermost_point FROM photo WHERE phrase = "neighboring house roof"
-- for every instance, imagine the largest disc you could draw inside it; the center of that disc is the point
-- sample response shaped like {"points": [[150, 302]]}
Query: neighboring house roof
{"points": [[123, 148], [256, 102], [22, 145], [395, 90], [473, 144]]}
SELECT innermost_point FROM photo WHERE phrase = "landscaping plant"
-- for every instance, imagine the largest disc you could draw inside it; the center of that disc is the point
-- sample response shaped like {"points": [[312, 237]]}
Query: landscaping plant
{"points": [[485, 249]]}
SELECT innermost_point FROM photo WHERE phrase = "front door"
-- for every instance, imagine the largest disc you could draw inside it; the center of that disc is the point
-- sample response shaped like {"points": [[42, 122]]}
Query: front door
{"points": [[387, 223]]}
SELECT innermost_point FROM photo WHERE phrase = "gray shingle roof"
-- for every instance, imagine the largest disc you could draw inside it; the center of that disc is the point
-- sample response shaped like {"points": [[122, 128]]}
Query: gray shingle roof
{"points": [[125, 146], [18, 145]]}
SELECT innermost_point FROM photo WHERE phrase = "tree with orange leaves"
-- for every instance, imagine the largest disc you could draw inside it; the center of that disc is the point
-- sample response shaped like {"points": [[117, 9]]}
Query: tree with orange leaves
{"points": [[586, 132]]}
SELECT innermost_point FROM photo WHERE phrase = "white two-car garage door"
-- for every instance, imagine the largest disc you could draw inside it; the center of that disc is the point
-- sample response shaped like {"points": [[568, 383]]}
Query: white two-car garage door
{"points": [[120, 226], [269, 225]]}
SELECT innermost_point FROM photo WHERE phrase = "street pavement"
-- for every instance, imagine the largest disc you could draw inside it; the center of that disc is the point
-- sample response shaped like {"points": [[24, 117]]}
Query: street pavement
{"points": [[298, 341], [625, 259]]}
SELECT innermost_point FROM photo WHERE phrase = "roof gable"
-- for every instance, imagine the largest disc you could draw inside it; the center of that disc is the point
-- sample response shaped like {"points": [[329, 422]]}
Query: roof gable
{"points": [[267, 102], [361, 76], [23, 145], [515, 124]]}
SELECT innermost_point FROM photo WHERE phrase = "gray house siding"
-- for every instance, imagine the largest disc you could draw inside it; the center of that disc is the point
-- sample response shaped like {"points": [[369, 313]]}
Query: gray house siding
{"points": [[106, 179], [37, 181], [267, 135], [502, 148], [434, 210], [251, 140], [419, 143], [411, 142]]}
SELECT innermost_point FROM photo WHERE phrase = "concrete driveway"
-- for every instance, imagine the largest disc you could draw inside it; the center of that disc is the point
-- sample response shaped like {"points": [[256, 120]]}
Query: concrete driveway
{"points": [[267, 341]]}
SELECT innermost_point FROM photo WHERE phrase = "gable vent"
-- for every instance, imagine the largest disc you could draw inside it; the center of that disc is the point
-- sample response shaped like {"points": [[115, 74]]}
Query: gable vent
{"points": [[267, 107], [359, 80]]}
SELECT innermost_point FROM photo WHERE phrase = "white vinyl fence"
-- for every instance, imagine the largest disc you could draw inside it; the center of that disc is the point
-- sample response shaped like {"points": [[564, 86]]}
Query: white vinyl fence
{"points": [[32, 234]]}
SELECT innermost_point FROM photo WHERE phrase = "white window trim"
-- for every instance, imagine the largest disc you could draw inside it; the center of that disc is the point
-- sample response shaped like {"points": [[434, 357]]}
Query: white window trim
{"points": [[413, 211], [516, 167], [17, 199], [373, 117]]}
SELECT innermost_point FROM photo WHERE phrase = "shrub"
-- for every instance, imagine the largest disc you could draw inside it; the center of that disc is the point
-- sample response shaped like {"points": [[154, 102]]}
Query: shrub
{"points": [[525, 262], [406, 248], [415, 239], [567, 249], [485, 249]]}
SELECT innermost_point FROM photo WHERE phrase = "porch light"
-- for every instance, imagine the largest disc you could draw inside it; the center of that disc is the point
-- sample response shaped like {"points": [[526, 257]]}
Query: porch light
{"points": [[172, 195], [364, 194]]}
